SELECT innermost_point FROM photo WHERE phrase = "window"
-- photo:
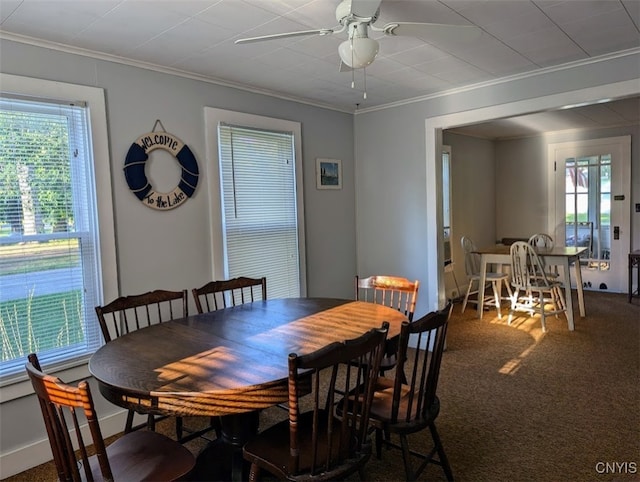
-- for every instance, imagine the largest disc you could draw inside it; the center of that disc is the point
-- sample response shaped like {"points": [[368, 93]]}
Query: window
{"points": [[260, 201], [50, 246], [446, 204]]}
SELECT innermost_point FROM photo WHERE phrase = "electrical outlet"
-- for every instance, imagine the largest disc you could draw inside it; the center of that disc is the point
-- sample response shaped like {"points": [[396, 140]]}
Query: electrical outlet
{"points": [[638, 207]]}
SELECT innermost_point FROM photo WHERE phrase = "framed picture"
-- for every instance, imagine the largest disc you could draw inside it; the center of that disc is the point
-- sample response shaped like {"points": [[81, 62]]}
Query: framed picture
{"points": [[328, 173]]}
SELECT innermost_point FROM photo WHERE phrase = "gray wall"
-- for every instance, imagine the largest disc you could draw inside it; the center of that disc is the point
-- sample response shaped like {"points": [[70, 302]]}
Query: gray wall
{"points": [[396, 198], [180, 237]]}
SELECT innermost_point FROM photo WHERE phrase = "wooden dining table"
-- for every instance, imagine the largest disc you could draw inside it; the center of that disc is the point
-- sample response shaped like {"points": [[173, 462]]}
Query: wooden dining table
{"points": [[561, 256], [230, 363]]}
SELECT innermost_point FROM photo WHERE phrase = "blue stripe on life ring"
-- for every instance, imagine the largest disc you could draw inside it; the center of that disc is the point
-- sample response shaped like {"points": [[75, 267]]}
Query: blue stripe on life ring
{"points": [[134, 171], [190, 171]]}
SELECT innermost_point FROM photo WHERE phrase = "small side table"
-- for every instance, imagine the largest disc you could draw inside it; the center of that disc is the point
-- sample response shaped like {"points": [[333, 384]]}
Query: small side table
{"points": [[634, 261]]}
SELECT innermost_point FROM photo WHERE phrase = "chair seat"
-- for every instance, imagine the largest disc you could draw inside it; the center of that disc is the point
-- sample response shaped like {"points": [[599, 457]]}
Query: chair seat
{"points": [[145, 455]]}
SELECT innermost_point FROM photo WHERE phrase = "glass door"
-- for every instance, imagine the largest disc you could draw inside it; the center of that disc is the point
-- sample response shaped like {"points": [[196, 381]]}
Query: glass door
{"points": [[592, 186]]}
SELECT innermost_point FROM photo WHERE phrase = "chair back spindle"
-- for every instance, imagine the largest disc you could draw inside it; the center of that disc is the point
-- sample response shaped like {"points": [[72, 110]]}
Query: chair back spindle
{"points": [[216, 295], [129, 313]]}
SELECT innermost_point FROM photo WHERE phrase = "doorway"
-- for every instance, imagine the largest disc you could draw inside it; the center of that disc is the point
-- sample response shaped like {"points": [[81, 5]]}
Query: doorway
{"points": [[589, 206], [433, 140]]}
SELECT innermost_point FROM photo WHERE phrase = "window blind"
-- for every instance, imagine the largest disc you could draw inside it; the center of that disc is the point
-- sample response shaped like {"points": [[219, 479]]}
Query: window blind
{"points": [[49, 272], [258, 192]]}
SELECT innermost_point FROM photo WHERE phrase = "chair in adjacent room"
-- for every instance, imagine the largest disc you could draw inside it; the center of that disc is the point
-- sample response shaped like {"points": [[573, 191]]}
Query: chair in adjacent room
{"points": [[330, 440], [533, 289], [141, 455], [404, 407], [129, 313], [216, 295], [544, 241], [394, 292], [472, 268], [541, 240]]}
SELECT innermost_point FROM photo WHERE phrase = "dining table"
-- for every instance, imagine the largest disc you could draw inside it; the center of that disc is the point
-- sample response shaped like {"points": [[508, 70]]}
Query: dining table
{"points": [[230, 363], [560, 256]]}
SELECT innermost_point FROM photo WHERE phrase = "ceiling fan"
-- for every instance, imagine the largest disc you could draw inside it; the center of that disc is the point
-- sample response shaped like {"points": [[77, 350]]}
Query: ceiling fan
{"points": [[357, 17]]}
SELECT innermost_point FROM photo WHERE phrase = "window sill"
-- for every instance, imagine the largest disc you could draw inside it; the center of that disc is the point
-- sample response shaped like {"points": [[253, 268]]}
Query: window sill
{"points": [[22, 387]]}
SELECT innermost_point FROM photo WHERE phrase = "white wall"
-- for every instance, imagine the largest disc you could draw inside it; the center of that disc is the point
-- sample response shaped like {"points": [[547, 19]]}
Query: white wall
{"points": [[521, 170], [473, 203], [396, 137], [171, 249]]}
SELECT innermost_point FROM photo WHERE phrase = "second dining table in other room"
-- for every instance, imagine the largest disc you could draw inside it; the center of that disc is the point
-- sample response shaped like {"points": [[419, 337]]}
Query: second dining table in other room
{"points": [[560, 256], [230, 363]]}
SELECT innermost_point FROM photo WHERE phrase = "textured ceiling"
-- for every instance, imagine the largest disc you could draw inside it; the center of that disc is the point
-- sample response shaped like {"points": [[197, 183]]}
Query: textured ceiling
{"points": [[196, 38]]}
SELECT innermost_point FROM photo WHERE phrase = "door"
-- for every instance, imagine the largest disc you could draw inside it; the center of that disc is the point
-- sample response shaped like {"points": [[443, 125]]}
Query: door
{"points": [[590, 205]]}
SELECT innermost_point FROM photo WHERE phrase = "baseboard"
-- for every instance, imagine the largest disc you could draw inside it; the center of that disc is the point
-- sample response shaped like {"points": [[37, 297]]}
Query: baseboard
{"points": [[39, 452]]}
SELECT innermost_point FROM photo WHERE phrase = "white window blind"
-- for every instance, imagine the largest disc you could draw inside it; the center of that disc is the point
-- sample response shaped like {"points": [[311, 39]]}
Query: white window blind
{"points": [[49, 272], [258, 190]]}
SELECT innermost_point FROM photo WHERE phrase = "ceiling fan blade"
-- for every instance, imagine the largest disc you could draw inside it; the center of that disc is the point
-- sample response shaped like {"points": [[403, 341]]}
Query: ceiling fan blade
{"points": [[301, 33], [434, 32], [365, 8]]}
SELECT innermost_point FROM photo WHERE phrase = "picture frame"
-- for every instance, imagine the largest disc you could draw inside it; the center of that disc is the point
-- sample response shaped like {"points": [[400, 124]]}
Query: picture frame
{"points": [[328, 173]]}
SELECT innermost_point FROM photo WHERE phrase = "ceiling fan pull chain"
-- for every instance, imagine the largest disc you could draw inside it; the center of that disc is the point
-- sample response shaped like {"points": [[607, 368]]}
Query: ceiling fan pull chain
{"points": [[364, 96]]}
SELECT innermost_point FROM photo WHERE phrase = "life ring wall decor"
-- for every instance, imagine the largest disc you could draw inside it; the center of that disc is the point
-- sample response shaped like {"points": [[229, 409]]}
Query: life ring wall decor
{"points": [[134, 172]]}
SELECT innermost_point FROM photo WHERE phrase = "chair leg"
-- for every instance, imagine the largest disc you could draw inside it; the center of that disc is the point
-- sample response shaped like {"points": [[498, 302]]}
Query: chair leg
{"points": [[466, 297], [542, 311], [217, 426], [513, 300], [444, 461], [406, 457], [378, 439], [151, 422], [496, 295], [129, 425], [254, 473]]}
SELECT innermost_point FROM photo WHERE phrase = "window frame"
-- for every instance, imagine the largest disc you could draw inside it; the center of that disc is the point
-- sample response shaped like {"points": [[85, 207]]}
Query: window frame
{"points": [[18, 385], [213, 117]]}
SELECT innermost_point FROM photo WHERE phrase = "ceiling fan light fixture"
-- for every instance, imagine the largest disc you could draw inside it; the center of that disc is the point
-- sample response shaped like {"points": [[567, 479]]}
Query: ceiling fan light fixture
{"points": [[358, 52]]}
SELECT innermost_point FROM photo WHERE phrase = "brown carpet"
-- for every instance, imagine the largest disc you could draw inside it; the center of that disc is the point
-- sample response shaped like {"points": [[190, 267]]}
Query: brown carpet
{"points": [[520, 405]]}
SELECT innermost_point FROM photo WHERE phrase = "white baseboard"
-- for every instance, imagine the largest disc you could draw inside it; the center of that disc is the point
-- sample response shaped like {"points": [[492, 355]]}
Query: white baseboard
{"points": [[37, 453]]}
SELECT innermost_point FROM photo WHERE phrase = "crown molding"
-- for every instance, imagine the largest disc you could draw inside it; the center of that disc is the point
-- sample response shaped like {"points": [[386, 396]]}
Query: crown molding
{"points": [[159, 68], [510, 78]]}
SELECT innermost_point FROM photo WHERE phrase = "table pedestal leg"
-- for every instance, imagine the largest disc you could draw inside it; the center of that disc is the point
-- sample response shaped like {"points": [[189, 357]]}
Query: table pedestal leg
{"points": [[236, 431], [222, 458]]}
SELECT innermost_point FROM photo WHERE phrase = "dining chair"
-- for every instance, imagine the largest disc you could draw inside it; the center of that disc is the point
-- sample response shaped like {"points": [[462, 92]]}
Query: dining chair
{"points": [[544, 241], [394, 292], [129, 313], [329, 439], [472, 265], [141, 455], [531, 284], [216, 295], [403, 407]]}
